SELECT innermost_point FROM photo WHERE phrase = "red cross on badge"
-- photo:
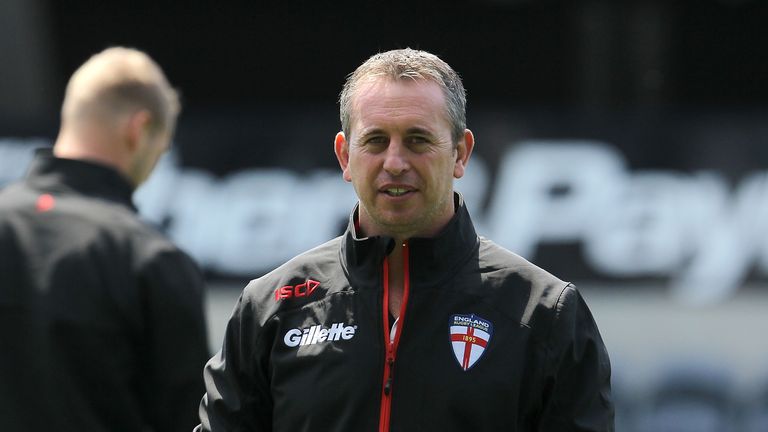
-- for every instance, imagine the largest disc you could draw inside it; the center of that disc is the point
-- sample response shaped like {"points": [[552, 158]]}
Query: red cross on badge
{"points": [[470, 335]]}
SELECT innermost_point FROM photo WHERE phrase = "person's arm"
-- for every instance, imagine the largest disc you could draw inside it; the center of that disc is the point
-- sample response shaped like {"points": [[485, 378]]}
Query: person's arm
{"points": [[577, 393], [237, 394], [175, 343]]}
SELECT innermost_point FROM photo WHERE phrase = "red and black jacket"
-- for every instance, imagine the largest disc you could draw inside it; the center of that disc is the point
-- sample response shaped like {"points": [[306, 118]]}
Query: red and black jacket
{"points": [[485, 341]]}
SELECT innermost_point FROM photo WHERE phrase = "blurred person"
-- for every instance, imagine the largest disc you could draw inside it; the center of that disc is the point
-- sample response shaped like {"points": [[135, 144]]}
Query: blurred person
{"points": [[101, 317], [409, 320]]}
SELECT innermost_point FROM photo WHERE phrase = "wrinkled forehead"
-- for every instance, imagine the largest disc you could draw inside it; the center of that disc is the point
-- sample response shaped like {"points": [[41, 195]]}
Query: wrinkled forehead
{"points": [[410, 94]]}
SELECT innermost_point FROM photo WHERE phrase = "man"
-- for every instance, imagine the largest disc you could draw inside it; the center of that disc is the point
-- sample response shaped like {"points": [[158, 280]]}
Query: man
{"points": [[409, 321], [101, 317]]}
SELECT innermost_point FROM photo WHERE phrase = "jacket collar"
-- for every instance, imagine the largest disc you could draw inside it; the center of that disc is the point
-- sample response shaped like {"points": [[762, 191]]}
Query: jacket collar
{"points": [[431, 259], [54, 174]]}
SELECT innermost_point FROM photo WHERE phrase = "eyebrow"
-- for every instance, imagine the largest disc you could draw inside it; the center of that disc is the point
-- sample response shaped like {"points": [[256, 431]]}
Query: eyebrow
{"points": [[409, 131], [375, 131], [418, 131]]}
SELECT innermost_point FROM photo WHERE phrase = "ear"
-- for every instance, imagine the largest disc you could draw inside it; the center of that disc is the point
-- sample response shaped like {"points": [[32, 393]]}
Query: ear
{"points": [[463, 153], [136, 129], [341, 148]]}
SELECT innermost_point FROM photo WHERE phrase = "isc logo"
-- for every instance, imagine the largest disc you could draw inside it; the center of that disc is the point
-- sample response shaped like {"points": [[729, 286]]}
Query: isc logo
{"points": [[300, 290]]}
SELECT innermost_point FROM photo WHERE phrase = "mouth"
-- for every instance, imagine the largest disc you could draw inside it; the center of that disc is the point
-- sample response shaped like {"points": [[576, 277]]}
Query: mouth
{"points": [[396, 191]]}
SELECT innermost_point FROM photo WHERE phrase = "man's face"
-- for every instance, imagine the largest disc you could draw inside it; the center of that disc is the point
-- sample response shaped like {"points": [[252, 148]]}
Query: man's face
{"points": [[401, 159]]}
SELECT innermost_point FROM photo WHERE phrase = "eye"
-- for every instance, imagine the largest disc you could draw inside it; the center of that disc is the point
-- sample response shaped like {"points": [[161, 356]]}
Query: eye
{"points": [[418, 143], [375, 143], [380, 139]]}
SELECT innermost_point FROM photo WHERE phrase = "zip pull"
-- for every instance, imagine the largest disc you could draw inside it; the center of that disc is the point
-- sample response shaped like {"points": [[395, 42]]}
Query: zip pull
{"points": [[388, 384]]}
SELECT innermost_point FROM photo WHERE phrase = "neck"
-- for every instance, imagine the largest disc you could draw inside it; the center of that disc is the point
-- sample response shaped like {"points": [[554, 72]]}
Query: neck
{"points": [[93, 146]]}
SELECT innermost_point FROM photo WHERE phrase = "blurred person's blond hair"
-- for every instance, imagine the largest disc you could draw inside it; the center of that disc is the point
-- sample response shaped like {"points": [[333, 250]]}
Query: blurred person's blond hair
{"points": [[119, 110], [118, 81]]}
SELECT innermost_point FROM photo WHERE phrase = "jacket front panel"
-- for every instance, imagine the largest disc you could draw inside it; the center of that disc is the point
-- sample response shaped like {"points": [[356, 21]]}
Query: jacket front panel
{"points": [[324, 353], [430, 380], [498, 375], [314, 365]]}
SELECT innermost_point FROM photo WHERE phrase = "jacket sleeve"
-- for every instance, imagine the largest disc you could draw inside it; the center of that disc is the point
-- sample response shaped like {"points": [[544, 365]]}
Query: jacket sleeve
{"points": [[577, 392], [237, 397], [175, 343]]}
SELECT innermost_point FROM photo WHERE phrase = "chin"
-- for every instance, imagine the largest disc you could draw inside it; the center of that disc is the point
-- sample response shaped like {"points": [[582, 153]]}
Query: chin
{"points": [[401, 225]]}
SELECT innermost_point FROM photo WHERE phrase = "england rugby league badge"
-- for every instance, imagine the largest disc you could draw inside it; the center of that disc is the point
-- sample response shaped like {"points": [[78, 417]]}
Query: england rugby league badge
{"points": [[470, 335]]}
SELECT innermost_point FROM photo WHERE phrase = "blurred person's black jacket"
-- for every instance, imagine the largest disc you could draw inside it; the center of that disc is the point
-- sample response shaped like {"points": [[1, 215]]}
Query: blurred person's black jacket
{"points": [[101, 318]]}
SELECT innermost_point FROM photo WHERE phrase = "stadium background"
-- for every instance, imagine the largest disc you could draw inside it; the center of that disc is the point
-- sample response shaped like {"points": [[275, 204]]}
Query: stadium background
{"points": [[642, 124]]}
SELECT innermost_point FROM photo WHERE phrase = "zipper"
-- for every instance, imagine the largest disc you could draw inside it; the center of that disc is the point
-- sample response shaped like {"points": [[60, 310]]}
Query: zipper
{"points": [[391, 351]]}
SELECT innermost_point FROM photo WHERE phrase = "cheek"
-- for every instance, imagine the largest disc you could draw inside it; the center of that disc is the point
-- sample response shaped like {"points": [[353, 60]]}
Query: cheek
{"points": [[444, 170], [361, 167], [350, 171]]}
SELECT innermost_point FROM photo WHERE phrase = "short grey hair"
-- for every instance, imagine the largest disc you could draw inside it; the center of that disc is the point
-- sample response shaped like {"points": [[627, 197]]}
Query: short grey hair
{"points": [[409, 64]]}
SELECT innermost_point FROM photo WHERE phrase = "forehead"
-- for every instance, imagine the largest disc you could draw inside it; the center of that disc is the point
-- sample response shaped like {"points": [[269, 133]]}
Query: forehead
{"points": [[382, 102]]}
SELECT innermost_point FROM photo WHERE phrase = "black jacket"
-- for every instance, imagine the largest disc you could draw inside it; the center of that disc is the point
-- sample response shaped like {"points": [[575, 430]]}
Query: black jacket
{"points": [[488, 342], [101, 317]]}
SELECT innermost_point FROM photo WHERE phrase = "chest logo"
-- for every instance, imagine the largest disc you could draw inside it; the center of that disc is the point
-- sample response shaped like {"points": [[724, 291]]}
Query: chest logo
{"points": [[470, 335], [318, 334]]}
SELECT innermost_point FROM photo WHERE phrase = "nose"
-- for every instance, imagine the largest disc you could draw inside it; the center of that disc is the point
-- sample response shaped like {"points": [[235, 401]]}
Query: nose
{"points": [[396, 158]]}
